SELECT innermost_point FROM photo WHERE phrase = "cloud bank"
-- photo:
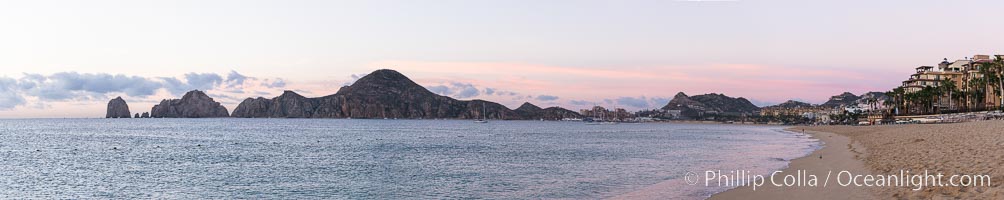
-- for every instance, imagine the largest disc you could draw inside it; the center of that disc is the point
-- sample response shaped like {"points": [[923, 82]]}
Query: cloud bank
{"points": [[75, 86], [547, 98], [8, 94]]}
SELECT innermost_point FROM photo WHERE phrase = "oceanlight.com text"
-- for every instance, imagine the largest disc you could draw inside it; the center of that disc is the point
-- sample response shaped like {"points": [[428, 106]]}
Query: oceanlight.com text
{"points": [[802, 178]]}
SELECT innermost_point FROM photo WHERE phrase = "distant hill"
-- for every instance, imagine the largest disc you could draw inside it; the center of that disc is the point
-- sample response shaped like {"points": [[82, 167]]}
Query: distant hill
{"points": [[530, 111], [692, 107], [791, 104], [385, 94], [842, 99], [877, 96], [847, 98]]}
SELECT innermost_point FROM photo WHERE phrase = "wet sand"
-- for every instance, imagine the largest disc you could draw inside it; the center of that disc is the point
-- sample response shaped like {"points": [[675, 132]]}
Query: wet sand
{"points": [[972, 148], [952, 149], [839, 153]]}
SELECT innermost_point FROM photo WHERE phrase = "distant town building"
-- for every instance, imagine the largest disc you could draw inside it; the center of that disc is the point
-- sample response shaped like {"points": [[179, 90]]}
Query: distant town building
{"points": [[601, 113]]}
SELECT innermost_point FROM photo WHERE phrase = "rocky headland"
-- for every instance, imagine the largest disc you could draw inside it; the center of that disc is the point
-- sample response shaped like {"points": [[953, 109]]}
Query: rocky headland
{"points": [[117, 108], [530, 112], [385, 94], [195, 104], [710, 104], [388, 94]]}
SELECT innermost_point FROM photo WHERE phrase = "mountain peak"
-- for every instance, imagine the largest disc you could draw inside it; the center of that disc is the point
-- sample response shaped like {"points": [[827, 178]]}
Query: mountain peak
{"points": [[385, 73], [680, 95], [195, 94], [383, 81], [290, 93], [527, 106]]}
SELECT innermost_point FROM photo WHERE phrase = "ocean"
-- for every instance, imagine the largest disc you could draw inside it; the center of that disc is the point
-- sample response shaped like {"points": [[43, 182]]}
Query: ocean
{"points": [[375, 159]]}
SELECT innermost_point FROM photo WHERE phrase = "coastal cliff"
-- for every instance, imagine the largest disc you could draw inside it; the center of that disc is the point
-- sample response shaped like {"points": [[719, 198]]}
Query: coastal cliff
{"points": [[381, 94], [117, 108], [530, 111], [710, 104], [195, 104], [288, 105]]}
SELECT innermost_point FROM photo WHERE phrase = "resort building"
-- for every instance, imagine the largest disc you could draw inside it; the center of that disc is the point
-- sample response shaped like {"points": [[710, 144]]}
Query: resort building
{"points": [[967, 76], [976, 83], [928, 76]]}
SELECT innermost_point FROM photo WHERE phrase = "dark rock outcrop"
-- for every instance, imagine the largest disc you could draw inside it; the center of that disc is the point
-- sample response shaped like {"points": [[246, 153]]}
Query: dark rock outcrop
{"points": [[117, 108], [145, 115], [727, 105], [288, 105], [872, 97], [710, 104], [381, 94], [530, 111], [137, 115], [792, 104], [682, 101], [849, 99], [843, 99], [195, 104]]}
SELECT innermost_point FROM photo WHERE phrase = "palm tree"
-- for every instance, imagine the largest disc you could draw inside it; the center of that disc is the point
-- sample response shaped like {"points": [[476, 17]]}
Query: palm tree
{"points": [[948, 86], [926, 98], [992, 79], [997, 66], [896, 98], [961, 96], [977, 93], [933, 99], [910, 102], [892, 100]]}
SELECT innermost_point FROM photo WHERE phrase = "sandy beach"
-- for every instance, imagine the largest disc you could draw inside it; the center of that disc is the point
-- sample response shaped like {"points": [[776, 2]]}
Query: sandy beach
{"points": [[838, 153], [973, 148]]}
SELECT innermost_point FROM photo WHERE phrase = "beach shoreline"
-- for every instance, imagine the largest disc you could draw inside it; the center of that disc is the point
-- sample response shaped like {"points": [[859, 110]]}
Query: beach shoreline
{"points": [[671, 189], [953, 149], [837, 153]]}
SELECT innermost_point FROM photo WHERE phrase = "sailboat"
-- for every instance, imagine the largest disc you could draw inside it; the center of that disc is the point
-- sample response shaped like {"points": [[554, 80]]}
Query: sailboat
{"points": [[601, 121], [593, 120], [484, 114]]}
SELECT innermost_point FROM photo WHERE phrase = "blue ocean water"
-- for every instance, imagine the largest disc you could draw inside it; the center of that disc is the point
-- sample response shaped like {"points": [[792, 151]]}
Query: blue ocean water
{"points": [[373, 159]]}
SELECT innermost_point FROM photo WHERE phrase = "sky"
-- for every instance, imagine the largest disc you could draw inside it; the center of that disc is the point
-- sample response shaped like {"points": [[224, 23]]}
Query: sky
{"points": [[63, 59]]}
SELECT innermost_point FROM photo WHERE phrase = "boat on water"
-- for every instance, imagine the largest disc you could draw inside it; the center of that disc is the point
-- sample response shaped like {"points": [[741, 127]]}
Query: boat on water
{"points": [[601, 121], [484, 114]]}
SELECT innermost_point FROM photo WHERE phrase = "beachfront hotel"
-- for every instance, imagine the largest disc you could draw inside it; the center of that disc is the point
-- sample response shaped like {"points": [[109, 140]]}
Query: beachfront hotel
{"points": [[967, 76]]}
